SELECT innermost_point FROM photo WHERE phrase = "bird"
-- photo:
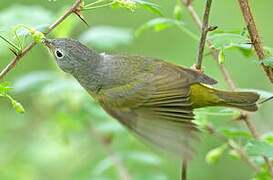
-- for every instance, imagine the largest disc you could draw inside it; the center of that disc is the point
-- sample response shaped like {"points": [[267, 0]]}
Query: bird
{"points": [[151, 97]]}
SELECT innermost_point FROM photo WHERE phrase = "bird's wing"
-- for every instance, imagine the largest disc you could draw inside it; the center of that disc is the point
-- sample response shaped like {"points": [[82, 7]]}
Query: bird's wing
{"points": [[157, 107]]}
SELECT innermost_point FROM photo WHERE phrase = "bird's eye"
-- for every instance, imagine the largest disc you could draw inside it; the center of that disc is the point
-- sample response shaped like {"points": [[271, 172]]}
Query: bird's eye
{"points": [[59, 54]]}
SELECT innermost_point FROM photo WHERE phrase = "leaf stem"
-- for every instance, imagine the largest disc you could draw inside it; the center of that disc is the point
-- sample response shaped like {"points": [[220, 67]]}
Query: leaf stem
{"points": [[12, 64], [10, 43], [97, 7], [91, 4]]}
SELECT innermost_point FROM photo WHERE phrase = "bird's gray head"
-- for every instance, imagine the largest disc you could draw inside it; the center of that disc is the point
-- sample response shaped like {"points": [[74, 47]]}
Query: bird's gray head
{"points": [[70, 54]]}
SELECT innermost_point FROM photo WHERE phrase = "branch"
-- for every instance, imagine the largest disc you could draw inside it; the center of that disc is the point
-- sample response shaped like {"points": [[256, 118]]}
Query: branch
{"points": [[254, 36], [184, 170], [258, 46], [12, 64], [214, 53], [123, 172], [228, 78], [242, 153], [203, 37]]}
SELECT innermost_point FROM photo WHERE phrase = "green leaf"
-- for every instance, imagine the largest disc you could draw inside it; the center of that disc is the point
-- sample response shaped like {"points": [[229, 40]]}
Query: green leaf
{"points": [[268, 50], [214, 154], [4, 87], [149, 6], [18, 107], [267, 61], [224, 40], [221, 56], [107, 37], [234, 154], [177, 12], [268, 137], [262, 176], [234, 132], [258, 148], [157, 24]]}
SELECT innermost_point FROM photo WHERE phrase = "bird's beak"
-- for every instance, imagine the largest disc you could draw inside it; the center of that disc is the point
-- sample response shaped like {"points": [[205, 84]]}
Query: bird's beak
{"points": [[48, 42]]}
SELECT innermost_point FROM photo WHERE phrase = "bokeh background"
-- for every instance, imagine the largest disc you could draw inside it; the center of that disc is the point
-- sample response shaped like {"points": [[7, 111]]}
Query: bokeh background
{"points": [[53, 138]]}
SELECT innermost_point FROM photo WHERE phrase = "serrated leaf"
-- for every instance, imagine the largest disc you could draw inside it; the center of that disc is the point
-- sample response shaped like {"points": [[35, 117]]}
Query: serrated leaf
{"points": [[222, 40], [259, 148], [107, 37], [157, 24], [267, 61], [149, 6]]}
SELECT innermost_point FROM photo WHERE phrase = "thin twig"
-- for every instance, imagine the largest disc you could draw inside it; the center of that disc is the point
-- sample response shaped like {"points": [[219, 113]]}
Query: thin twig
{"points": [[214, 53], [228, 78], [259, 49], [27, 49], [254, 36], [242, 153], [203, 37], [184, 170], [123, 172]]}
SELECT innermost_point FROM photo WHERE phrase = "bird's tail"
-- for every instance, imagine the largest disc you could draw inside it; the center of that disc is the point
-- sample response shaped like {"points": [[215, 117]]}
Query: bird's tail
{"points": [[214, 97]]}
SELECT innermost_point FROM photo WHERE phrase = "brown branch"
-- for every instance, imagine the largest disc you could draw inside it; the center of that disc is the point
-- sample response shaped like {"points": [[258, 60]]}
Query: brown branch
{"points": [[259, 49], [204, 32], [254, 36], [214, 53], [260, 53], [27, 49], [184, 170], [242, 153], [123, 172]]}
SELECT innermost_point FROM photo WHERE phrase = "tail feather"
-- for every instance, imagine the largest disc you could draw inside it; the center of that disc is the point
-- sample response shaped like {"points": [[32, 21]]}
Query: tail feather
{"points": [[242, 100], [202, 96]]}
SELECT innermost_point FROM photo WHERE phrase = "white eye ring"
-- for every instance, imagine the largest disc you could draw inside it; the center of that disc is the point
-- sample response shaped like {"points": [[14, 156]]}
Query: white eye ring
{"points": [[59, 54]]}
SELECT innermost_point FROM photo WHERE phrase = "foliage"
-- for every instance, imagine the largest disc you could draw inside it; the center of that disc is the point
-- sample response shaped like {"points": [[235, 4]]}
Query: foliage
{"points": [[4, 88], [107, 37], [255, 147], [54, 131]]}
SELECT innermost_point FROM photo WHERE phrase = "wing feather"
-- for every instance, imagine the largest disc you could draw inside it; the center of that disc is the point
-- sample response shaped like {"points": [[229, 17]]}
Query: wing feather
{"points": [[156, 107]]}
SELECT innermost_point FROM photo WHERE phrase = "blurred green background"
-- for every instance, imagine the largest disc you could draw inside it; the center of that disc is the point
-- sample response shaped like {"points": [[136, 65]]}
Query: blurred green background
{"points": [[52, 141]]}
